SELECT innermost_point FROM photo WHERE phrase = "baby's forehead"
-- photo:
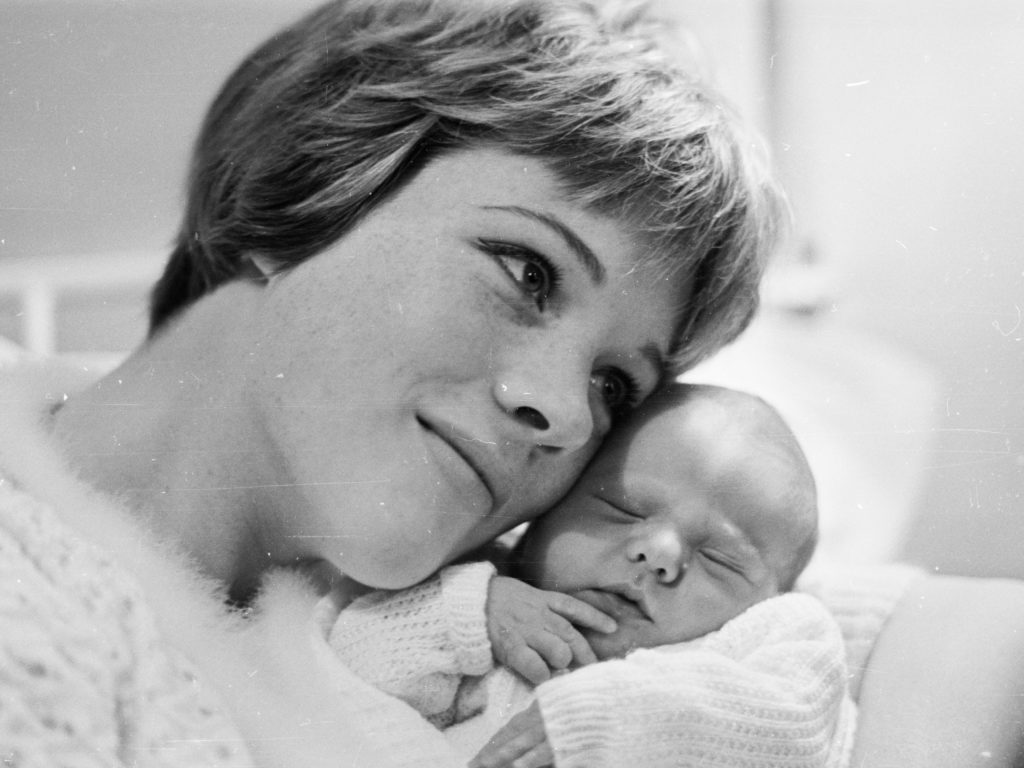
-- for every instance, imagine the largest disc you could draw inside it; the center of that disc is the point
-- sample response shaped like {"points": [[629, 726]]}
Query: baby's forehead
{"points": [[729, 447], [701, 409], [722, 431]]}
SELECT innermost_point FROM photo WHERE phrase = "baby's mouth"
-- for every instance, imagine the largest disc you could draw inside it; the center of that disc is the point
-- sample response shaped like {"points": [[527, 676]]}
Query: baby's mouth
{"points": [[620, 601]]}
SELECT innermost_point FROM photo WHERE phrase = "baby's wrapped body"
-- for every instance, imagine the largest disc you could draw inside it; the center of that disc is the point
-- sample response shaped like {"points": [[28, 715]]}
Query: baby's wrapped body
{"points": [[769, 687]]}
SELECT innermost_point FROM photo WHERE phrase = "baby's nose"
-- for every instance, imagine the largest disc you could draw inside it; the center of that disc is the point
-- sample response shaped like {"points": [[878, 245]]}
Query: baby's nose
{"points": [[663, 555]]}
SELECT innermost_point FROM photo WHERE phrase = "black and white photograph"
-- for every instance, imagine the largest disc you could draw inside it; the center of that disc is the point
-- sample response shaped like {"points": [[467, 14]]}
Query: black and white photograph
{"points": [[512, 383]]}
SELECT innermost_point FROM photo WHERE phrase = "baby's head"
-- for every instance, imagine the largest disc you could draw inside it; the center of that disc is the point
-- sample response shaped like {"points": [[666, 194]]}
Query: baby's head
{"points": [[700, 506]]}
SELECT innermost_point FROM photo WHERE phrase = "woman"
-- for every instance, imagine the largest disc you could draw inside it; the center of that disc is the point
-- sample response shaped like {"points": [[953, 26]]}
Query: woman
{"points": [[431, 251]]}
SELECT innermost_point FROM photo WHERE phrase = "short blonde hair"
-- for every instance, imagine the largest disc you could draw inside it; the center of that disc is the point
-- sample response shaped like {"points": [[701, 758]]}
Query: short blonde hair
{"points": [[326, 118]]}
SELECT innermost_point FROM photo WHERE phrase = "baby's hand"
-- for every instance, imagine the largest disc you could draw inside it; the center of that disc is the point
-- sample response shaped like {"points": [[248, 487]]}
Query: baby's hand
{"points": [[522, 743], [531, 630]]}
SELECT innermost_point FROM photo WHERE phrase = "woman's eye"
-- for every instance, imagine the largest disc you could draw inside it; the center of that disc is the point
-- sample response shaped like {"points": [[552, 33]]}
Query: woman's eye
{"points": [[617, 389], [533, 278], [535, 275]]}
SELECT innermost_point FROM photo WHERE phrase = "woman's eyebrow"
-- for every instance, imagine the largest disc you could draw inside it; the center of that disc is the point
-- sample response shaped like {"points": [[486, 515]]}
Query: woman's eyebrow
{"points": [[586, 256]]}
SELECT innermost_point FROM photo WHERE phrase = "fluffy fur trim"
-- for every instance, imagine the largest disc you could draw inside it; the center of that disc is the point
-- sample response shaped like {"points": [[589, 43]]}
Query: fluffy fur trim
{"points": [[293, 702]]}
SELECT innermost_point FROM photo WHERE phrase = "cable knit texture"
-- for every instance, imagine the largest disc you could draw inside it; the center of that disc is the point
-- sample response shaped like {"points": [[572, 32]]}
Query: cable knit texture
{"points": [[434, 636], [768, 689], [84, 676]]}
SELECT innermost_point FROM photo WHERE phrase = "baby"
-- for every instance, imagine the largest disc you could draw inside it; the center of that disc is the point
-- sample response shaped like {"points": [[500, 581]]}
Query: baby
{"points": [[684, 534]]}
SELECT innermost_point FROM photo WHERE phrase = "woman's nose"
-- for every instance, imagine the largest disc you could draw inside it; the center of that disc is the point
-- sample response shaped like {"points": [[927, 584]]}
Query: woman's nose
{"points": [[659, 551], [550, 409]]}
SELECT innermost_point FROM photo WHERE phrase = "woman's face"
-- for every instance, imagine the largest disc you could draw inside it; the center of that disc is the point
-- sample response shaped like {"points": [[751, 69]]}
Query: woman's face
{"points": [[444, 371]]}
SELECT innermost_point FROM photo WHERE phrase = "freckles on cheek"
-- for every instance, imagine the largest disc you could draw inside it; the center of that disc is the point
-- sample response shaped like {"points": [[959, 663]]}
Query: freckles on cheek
{"points": [[470, 326]]}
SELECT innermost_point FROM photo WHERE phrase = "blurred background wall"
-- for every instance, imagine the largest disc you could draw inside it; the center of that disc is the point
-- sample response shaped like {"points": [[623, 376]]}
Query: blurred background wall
{"points": [[893, 329], [898, 128], [99, 101]]}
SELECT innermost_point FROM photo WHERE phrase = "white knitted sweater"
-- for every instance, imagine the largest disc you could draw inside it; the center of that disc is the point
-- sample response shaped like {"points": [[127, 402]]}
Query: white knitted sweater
{"points": [[769, 689], [115, 652]]}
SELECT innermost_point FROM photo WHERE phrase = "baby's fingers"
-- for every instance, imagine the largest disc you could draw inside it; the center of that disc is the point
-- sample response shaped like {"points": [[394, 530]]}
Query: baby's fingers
{"points": [[558, 647], [505, 755], [539, 756], [582, 614], [563, 645], [582, 653], [528, 663], [521, 743]]}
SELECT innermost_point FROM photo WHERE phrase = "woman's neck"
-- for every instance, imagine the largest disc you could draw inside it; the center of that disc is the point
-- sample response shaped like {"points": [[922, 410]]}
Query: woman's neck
{"points": [[169, 432]]}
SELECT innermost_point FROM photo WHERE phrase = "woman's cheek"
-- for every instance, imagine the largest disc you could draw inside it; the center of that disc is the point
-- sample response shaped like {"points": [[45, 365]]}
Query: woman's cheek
{"points": [[449, 320]]}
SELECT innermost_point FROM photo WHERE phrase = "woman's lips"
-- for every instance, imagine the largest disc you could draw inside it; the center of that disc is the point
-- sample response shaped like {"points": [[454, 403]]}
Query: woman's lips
{"points": [[456, 462]]}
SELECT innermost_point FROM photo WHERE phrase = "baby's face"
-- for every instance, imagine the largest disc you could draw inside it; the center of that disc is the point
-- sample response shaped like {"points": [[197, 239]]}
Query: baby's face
{"points": [[673, 530]]}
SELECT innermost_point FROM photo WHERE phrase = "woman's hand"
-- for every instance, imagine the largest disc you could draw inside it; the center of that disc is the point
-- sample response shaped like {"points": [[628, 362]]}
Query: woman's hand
{"points": [[521, 743], [532, 630]]}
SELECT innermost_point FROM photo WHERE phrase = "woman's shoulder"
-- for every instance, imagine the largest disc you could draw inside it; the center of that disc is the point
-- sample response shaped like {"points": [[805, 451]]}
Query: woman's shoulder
{"points": [[945, 686], [83, 663], [46, 557]]}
